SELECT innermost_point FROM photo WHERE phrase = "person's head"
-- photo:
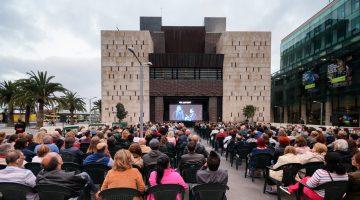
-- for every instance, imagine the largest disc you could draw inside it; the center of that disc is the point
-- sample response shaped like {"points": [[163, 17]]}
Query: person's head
{"points": [[2, 136], [52, 161], [195, 138], [4, 149], [93, 142], [30, 138], [170, 134], [101, 147], [162, 164], [125, 134], [154, 144], [260, 142], [142, 141], [135, 150], [178, 108], [341, 145], [319, 148], [354, 137], [15, 158], [20, 144], [191, 146], [213, 161], [39, 137], [187, 132], [284, 141], [69, 142], [43, 150], [48, 139], [122, 160], [300, 141], [342, 134], [356, 160], [13, 138], [333, 163], [290, 149]]}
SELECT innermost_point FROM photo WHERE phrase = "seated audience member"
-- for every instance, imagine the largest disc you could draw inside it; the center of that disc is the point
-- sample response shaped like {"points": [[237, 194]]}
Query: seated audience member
{"points": [[122, 175], [171, 137], [301, 145], [191, 157], [53, 175], [284, 141], [42, 151], [288, 157], [334, 171], [166, 147], [14, 173], [86, 138], [102, 156], [48, 141], [2, 137], [212, 174], [260, 149], [135, 150], [316, 154], [21, 145], [4, 149], [354, 179], [144, 148], [92, 147], [152, 157], [164, 174], [200, 149], [31, 144], [73, 151]]}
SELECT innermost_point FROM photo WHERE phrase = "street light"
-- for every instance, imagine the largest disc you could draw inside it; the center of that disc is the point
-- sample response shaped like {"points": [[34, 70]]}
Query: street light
{"points": [[131, 49], [321, 110], [90, 108]]}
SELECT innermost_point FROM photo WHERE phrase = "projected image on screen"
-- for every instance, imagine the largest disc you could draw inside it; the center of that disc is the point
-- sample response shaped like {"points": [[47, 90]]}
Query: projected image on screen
{"points": [[191, 112]]}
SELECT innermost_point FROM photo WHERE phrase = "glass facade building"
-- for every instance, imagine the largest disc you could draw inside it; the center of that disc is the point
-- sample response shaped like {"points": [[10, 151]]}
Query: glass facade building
{"points": [[319, 77]]}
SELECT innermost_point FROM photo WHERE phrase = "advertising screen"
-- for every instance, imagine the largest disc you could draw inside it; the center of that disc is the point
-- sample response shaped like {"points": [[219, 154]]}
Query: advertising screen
{"points": [[185, 112], [310, 81], [339, 74]]}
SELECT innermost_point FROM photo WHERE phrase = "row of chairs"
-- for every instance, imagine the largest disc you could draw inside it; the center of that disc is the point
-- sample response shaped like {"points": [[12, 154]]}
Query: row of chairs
{"points": [[16, 191]]}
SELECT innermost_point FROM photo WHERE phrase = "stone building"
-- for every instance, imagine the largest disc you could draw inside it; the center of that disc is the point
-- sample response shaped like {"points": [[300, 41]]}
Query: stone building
{"points": [[217, 72]]}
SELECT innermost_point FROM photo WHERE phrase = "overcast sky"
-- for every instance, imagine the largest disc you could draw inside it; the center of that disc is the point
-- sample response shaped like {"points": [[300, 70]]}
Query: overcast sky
{"points": [[63, 36]]}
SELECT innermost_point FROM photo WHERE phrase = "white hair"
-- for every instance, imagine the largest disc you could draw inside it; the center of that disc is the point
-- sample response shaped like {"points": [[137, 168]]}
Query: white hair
{"points": [[341, 145]]}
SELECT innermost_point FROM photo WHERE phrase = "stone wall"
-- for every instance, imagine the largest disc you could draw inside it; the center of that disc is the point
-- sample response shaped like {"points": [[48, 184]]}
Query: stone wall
{"points": [[246, 73], [120, 73]]}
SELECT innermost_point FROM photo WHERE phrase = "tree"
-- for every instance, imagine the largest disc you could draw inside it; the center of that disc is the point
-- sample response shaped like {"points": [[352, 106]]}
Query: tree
{"points": [[70, 101], [120, 111], [25, 99], [7, 93], [97, 106], [249, 111], [42, 88]]}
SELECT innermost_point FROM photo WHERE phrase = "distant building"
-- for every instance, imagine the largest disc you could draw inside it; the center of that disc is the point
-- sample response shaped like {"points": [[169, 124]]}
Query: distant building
{"points": [[210, 72], [320, 67]]}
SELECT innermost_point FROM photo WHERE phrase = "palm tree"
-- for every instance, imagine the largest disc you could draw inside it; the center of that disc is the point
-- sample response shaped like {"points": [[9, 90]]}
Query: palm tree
{"points": [[72, 103], [41, 87], [97, 106], [249, 112], [24, 98], [7, 92]]}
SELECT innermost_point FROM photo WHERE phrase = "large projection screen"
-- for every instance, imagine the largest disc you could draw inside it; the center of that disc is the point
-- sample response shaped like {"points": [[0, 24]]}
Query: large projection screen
{"points": [[185, 112]]}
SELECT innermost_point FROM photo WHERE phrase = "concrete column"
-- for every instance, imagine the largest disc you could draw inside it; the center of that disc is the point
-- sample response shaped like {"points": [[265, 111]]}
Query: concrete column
{"points": [[212, 109], [303, 111], [328, 113], [159, 109], [285, 117]]}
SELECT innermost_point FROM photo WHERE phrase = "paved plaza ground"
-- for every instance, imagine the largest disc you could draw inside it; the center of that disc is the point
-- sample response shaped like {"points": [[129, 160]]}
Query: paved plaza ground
{"points": [[241, 187]]}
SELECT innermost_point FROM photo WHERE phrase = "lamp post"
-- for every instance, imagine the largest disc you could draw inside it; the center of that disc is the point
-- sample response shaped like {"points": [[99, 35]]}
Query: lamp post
{"points": [[321, 110], [90, 108], [131, 49]]}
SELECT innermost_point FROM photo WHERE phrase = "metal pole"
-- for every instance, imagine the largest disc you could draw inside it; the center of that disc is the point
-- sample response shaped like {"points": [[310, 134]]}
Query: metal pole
{"points": [[141, 99], [90, 111]]}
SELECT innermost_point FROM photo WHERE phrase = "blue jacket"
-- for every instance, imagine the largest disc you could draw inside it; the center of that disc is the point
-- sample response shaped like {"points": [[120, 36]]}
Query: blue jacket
{"points": [[98, 158]]}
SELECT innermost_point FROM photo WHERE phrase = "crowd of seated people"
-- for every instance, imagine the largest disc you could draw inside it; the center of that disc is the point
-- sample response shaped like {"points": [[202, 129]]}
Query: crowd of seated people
{"points": [[128, 156], [337, 149]]}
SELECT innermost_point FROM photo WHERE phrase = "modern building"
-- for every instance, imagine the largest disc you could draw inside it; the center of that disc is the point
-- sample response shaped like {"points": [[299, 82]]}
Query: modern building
{"points": [[319, 77], [197, 72]]}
